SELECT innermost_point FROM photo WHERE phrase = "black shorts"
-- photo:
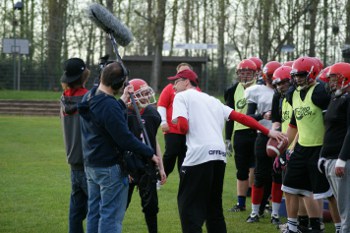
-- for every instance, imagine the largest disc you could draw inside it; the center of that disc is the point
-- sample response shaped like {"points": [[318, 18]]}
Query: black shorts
{"points": [[243, 144], [302, 176], [175, 149]]}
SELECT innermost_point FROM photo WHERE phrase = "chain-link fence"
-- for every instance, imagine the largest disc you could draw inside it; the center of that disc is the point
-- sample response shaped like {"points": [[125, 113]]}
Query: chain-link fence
{"points": [[22, 74], [19, 74]]}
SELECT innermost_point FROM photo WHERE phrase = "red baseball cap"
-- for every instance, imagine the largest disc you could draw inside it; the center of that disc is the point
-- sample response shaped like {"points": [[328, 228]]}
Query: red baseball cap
{"points": [[186, 74]]}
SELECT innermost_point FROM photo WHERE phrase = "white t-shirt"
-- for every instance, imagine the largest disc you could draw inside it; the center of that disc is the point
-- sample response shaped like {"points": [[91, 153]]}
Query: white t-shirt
{"points": [[206, 117], [262, 96]]}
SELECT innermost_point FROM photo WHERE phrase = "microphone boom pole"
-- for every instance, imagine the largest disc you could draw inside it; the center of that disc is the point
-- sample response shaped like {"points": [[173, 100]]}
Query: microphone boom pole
{"points": [[105, 20], [138, 115]]}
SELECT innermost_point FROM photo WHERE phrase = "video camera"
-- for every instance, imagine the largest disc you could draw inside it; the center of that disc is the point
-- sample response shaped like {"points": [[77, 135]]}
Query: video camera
{"points": [[102, 62]]}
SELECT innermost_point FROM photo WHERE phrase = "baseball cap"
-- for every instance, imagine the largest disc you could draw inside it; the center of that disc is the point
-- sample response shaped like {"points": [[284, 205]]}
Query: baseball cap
{"points": [[186, 74], [73, 68]]}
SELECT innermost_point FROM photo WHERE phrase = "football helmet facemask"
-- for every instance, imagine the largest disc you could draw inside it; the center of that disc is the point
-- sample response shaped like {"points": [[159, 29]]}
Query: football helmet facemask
{"points": [[143, 94]]}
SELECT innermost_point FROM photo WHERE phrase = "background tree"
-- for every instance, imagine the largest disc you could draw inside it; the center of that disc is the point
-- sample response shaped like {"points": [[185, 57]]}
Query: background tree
{"points": [[174, 11], [56, 27], [157, 62], [221, 19], [347, 34], [313, 24]]}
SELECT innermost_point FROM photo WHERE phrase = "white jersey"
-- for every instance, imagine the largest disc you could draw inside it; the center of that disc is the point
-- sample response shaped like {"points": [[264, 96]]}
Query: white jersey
{"points": [[206, 117], [262, 96]]}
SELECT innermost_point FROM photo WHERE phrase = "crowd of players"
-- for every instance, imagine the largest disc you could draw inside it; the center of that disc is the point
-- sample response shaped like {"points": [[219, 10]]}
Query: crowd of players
{"points": [[305, 101], [310, 104]]}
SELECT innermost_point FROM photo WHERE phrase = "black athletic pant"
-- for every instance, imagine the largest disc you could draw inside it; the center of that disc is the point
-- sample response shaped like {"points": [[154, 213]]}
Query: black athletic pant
{"points": [[200, 197], [264, 174], [175, 148], [149, 199]]}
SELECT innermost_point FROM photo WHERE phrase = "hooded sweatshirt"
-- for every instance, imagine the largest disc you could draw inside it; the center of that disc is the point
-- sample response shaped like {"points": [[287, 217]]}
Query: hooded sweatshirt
{"points": [[105, 133], [71, 126]]}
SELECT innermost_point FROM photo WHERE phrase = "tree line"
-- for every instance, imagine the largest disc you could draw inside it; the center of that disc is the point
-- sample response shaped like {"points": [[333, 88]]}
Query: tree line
{"points": [[279, 30]]}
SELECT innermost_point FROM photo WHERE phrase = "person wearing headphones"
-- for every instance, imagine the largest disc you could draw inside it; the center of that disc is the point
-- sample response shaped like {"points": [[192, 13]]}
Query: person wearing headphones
{"points": [[105, 136]]}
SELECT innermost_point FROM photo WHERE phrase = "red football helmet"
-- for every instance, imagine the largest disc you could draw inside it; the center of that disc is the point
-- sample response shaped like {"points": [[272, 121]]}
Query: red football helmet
{"points": [[339, 77], [268, 70], [258, 62], [323, 75], [247, 64], [319, 63], [246, 71], [281, 74], [304, 67], [288, 63], [281, 78], [143, 94]]}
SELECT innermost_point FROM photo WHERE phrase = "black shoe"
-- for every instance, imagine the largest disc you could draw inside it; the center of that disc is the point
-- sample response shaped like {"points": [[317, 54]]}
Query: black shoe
{"points": [[268, 208], [275, 220], [237, 208], [252, 218], [289, 231], [304, 229], [261, 213], [315, 231]]}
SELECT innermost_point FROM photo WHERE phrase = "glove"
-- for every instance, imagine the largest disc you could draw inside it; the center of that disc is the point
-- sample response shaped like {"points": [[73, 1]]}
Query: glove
{"points": [[277, 165], [229, 149], [280, 163], [340, 168], [321, 165]]}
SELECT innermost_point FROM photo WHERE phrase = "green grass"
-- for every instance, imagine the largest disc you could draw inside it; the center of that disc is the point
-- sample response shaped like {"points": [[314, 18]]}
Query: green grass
{"points": [[29, 95], [39, 95], [35, 185]]}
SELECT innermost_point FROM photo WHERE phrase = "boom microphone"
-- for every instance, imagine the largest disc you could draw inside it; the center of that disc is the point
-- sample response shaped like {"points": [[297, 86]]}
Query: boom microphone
{"points": [[105, 20]]}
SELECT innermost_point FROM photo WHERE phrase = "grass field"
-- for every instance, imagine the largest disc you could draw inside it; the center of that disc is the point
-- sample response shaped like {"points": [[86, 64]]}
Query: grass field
{"points": [[29, 95], [35, 184]]}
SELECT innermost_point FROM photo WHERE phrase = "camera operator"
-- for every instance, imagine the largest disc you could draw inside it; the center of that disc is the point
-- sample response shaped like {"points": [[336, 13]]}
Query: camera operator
{"points": [[105, 135]]}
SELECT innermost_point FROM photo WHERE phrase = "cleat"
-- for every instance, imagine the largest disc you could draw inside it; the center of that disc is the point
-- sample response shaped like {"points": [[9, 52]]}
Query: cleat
{"points": [[268, 209], [261, 214], [252, 218], [282, 227], [304, 229], [275, 220], [289, 231], [237, 208], [321, 230]]}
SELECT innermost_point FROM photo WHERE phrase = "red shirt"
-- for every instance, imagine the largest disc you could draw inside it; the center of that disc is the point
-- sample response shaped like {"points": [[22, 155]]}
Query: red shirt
{"points": [[70, 99], [75, 91], [165, 100]]}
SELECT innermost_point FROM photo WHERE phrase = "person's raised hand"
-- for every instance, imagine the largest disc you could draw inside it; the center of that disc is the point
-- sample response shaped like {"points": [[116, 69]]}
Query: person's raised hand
{"points": [[128, 90], [164, 127]]}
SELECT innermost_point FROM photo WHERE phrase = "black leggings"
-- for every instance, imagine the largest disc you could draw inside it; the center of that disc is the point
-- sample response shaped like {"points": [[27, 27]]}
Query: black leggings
{"points": [[264, 174]]}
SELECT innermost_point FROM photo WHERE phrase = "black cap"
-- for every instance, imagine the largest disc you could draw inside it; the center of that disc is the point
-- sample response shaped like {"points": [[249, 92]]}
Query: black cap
{"points": [[73, 68]]}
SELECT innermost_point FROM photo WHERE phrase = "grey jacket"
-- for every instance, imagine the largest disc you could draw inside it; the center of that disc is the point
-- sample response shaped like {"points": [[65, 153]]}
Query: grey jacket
{"points": [[71, 131]]}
